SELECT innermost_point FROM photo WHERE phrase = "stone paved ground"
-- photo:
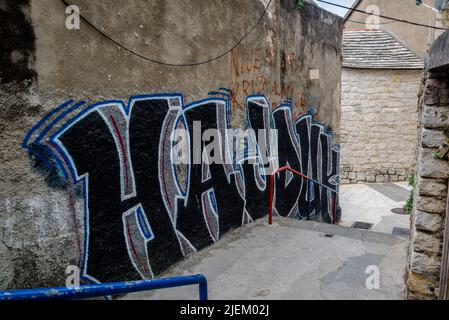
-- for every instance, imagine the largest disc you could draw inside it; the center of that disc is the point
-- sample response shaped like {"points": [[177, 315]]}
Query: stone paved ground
{"points": [[294, 260], [372, 203]]}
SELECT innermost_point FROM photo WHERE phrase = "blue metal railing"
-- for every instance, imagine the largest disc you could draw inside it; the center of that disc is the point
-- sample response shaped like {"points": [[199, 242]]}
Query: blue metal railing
{"points": [[107, 289]]}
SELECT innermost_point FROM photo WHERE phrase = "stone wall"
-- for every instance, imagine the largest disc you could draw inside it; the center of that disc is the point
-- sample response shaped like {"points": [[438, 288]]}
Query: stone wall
{"points": [[431, 192], [378, 126], [132, 217]]}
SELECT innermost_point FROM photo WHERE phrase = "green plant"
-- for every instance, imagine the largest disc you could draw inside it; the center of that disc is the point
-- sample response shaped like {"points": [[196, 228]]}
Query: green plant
{"points": [[409, 205], [299, 4], [411, 180]]}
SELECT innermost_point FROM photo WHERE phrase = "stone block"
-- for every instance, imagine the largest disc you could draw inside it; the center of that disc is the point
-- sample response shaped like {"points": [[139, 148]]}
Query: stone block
{"points": [[436, 93], [426, 243], [424, 264], [361, 176], [435, 117], [431, 95], [394, 178], [431, 205], [432, 138], [432, 187], [421, 285], [428, 222], [411, 295], [435, 84], [430, 167], [444, 97]]}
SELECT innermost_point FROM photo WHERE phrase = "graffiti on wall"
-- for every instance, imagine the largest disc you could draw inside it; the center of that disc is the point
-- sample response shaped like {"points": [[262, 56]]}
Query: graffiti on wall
{"points": [[148, 202]]}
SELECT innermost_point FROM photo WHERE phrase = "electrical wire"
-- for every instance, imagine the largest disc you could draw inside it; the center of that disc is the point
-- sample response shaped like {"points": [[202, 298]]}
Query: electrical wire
{"points": [[168, 63], [381, 16], [242, 38]]}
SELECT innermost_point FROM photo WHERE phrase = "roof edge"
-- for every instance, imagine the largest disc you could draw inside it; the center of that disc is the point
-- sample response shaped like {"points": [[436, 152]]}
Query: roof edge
{"points": [[437, 58], [391, 34], [349, 13], [314, 4], [387, 67], [401, 42], [349, 66]]}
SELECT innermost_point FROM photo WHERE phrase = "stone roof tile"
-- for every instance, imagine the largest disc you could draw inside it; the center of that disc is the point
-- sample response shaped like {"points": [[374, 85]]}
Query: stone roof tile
{"points": [[377, 49]]}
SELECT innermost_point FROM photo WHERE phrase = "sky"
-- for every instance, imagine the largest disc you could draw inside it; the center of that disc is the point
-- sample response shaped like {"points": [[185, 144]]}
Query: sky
{"points": [[336, 10]]}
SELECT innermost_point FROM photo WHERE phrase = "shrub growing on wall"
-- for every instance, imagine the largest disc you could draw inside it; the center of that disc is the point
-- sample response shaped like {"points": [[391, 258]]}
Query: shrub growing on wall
{"points": [[409, 205], [299, 4]]}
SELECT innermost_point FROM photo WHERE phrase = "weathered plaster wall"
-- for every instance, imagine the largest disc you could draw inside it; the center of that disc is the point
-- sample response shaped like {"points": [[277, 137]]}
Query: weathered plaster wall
{"points": [[432, 174], [43, 216], [378, 125]]}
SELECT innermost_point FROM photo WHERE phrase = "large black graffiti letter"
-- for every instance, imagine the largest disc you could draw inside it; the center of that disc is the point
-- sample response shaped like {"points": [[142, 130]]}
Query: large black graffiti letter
{"points": [[309, 138], [151, 122], [329, 175], [288, 186], [128, 232], [319, 160], [213, 204], [255, 176]]}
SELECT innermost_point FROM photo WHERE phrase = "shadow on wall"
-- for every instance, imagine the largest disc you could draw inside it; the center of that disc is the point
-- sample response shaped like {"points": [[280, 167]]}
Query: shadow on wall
{"points": [[143, 208]]}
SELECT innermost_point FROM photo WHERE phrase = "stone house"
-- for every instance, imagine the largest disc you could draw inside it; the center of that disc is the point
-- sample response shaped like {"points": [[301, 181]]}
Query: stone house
{"points": [[415, 37], [380, 80]]}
